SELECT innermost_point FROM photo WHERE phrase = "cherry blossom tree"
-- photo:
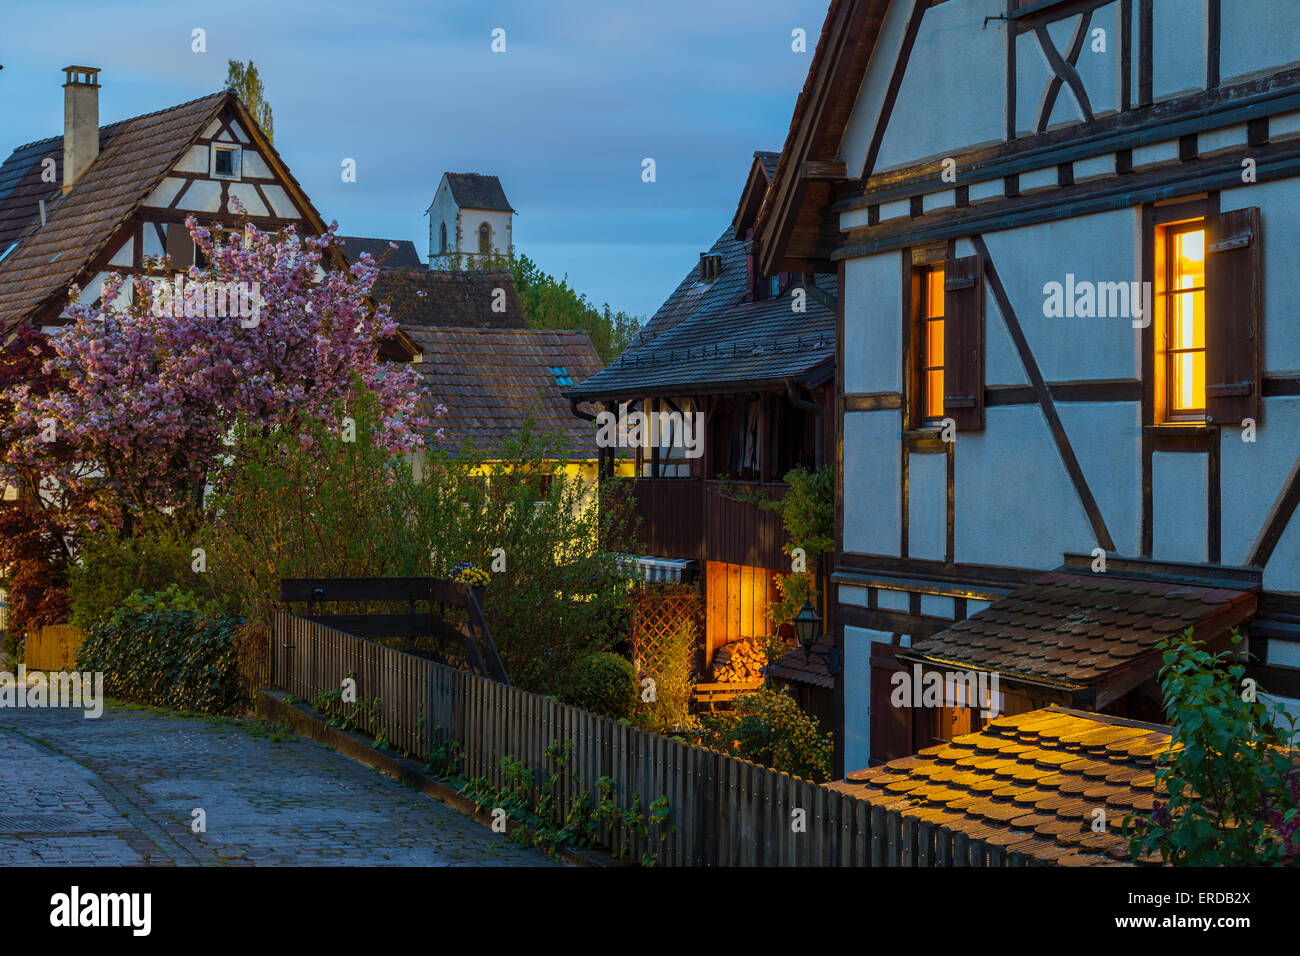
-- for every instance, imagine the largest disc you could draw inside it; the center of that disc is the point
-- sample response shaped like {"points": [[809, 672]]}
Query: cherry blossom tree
{"points": [[157, 375]]}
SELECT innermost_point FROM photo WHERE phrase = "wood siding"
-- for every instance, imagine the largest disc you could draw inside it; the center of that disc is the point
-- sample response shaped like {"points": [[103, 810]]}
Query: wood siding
{"points": [[687, 518]]}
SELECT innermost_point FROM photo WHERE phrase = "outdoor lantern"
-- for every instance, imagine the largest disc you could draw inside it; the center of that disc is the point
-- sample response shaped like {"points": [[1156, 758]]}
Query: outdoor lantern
{"points": [[808, 625]]}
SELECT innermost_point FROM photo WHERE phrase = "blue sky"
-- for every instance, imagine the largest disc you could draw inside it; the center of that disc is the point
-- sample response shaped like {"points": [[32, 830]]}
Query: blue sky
{"points": [[585, 90]]}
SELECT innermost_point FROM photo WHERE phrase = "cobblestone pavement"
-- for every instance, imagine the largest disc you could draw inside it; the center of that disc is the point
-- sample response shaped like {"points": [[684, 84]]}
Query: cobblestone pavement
{"points": [[120, 790]]}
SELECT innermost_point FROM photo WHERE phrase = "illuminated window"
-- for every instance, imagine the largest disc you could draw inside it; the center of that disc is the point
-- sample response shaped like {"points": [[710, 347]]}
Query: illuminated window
{"points": [[931, 343], [1183, 303]]}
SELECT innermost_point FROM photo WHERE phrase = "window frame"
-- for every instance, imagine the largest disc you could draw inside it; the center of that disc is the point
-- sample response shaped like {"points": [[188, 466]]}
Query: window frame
{"points": [[921, 318], [1179, 221], [236, 161]]}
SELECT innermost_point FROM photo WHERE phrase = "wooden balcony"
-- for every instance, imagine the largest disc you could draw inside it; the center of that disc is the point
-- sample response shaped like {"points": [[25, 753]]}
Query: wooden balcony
{"points": [[690, 518]]}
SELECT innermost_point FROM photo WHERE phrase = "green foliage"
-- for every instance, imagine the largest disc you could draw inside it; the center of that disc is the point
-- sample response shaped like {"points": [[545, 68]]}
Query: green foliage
{"points": [[245, 81], [160, 649], [534, 810], [808, 511], [768, 727], [551, 303], [601, 682], [669, 664], [111, 568], [1228, 781], [330, 508]]}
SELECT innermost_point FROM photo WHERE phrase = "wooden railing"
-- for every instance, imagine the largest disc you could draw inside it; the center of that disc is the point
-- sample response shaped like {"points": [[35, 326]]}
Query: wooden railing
{"points": [[688, 518], [723, 811]]}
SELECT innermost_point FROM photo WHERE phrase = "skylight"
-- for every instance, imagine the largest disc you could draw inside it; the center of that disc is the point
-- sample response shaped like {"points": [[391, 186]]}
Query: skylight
{"points": [[561, 376]]}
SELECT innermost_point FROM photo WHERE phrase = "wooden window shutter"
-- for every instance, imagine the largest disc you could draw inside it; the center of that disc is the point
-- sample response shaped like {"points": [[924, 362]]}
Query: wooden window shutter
{"points": [[963, 342], [891, 727], [180, 246], [1233, 317]]}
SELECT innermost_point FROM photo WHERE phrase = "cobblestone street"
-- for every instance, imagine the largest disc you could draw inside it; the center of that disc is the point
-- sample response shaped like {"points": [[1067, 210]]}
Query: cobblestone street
{"points": [[121, 790]]}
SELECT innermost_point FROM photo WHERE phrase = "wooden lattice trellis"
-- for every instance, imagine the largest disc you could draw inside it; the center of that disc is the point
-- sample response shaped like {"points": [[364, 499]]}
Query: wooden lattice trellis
{"points": [[657, 613]]}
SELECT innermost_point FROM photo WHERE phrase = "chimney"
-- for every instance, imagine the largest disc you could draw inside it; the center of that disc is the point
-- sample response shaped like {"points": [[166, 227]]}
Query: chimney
{"points": [[80, 122]]}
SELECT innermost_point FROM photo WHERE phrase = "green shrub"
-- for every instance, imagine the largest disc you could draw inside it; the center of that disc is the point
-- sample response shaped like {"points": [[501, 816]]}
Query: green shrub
{"points": [[1227, 792], [160, 648], [112, 568], [331, 508], [601, 682], [770, 728]]}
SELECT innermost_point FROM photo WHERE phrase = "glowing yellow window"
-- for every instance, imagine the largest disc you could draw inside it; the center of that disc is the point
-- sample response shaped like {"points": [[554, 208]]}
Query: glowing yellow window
{"points": [[932, 343], [1185, 320]]}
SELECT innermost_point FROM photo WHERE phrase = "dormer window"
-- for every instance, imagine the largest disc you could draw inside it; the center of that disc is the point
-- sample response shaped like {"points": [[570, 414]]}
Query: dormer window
{"points": [[225, 161]]}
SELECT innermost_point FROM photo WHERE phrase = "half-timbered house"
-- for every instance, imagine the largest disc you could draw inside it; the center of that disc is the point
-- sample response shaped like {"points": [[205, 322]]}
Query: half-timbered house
{"points": [[1068, 381], [98, 199], [748, 354]]}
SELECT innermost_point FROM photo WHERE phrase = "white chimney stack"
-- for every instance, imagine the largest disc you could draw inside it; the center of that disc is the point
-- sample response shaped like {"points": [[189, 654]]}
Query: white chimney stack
{"points": [[80, 122]]}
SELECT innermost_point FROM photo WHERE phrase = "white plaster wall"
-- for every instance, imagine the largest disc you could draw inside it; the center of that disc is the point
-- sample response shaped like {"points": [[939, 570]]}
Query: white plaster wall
{"points": [[866, 110], [857, 695], [1257, 35], [1278, 202], [442, 210], [1178, 44], [893, 599], [927, 525], [1251, 475], [1179, 488], [1032, 77], [471, 219], [872, 324], [1107, 441], [872, 484], [953, 95], [1097, 248], [203, 195], [1015, 504]]}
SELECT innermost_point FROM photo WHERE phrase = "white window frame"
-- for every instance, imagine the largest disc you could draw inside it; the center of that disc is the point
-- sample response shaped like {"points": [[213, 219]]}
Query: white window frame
{"points": [[236, 166]]}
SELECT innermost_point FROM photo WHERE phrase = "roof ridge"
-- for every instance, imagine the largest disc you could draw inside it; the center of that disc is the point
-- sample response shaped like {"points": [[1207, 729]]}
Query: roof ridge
{"points": [[129, 119]]}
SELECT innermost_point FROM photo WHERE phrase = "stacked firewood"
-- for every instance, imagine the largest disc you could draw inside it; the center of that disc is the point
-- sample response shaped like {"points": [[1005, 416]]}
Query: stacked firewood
{"points": [[737, 662]]}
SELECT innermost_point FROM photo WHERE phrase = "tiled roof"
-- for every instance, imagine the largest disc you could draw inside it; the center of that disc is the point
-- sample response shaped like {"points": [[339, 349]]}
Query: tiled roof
{"points": [[1027, 786], [462, 300], [797, 666], [1092, 635], [476, 191], [404, 256], [706, 333], [492, 380], [135, 155]]}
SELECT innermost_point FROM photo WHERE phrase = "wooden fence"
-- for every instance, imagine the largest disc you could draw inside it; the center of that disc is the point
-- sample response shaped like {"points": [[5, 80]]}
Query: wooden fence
{"points": [[724, 811], [52, 648]]}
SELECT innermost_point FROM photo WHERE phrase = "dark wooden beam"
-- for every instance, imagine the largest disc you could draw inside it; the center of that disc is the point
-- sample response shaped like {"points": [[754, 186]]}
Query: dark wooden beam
{"points": [[825, 171]]}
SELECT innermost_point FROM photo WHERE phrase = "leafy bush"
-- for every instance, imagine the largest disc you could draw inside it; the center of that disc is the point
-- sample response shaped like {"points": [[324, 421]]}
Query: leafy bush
{"points": [[1229, 784], [602, 682], [159, 648], [111, 568], [332, 508], [770, 728]]}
